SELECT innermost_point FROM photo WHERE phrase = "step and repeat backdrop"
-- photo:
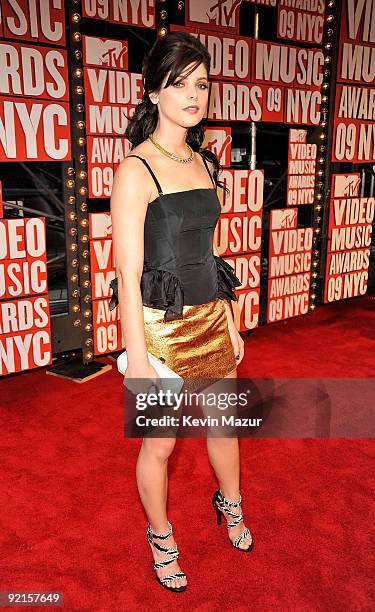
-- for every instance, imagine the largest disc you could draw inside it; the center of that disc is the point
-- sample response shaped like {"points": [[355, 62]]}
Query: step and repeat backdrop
{"points": [[70, 77]]}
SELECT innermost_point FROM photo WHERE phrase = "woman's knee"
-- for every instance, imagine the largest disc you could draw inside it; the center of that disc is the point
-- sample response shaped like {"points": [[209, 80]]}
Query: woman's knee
{"points": [[159, 448]]}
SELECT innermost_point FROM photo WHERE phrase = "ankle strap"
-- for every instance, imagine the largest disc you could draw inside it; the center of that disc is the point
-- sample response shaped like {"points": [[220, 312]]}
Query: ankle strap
{"points": [[228, 502], [161, 536]]}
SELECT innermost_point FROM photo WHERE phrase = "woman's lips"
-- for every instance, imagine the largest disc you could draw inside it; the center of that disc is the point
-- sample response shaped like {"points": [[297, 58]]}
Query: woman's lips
{"points": [[191, 109]]}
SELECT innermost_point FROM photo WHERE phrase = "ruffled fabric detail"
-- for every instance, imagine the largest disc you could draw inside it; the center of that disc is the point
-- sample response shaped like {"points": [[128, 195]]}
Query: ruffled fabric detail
{"points": [[114, 297], [159, 289], [226, 280]]}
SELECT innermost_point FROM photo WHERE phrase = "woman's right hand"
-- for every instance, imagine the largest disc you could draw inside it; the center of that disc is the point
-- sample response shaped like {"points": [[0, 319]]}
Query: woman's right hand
{"points": [[142, 379]]}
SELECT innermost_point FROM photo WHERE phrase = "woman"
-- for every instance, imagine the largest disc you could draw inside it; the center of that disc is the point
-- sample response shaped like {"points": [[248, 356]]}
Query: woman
{"points": [[175, 295]]}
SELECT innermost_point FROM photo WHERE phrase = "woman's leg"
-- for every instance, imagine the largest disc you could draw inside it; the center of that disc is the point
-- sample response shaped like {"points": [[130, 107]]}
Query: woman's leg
{"points": [[152, 481], [224, 456]]}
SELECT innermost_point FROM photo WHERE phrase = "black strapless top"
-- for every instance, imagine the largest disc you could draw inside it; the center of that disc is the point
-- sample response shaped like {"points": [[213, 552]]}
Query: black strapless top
{"points": [[179, 265]]}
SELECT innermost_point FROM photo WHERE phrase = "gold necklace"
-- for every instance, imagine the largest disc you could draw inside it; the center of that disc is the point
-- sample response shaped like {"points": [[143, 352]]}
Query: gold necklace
{"points": [[182, 160]]}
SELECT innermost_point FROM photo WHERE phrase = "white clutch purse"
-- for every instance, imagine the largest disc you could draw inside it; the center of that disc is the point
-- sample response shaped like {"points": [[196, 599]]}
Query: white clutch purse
{"points": [[170, 381]]}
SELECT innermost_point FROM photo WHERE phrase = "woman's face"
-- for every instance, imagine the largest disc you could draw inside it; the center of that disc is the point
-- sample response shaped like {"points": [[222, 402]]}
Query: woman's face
{"points": [[185, 101]]}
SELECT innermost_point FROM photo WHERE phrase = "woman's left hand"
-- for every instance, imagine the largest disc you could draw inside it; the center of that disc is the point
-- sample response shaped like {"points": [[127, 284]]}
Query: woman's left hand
{"points": [[237, 342]]}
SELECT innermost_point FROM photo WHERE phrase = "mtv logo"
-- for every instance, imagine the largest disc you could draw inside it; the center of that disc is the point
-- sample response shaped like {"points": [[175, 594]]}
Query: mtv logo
{"points": [[104, 52], [218, 141], [297, 135], [214, 12], [100, 225], [346, 185], [284, 218]]}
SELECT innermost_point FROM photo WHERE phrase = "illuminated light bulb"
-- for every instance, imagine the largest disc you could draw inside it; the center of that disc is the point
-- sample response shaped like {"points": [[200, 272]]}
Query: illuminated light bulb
{"points": [[76, 17], [86, 283], [162, 32], [88, 327], [77, 323], [75, 293], [74, 278], [73, 247], [76, 36], [72, 216], [87, 313], [85, 268], [88, 356], [78, 73], [80, 125], [70, 183], [84, 238], [76, 308], [84, 222], [82, 174], [73, 231], [74, 263], [71, 200], [83, 190], [81, 141]]}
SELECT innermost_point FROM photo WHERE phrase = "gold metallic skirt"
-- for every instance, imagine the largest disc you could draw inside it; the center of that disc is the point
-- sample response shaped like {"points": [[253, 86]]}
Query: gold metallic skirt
{"points": [[196, 346]]}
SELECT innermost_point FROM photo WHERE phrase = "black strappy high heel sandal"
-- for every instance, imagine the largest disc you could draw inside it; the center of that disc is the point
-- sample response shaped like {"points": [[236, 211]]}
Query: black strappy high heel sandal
{"points": [[220, 503], [173, 552]]}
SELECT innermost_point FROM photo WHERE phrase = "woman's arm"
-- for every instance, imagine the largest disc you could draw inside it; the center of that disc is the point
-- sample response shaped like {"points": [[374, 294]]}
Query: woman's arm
{"points": [[231, 309], [129, 201]]}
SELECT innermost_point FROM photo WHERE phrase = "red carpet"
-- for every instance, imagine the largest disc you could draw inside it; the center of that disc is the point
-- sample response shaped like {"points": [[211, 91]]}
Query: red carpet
{"points": [[72, 521]]}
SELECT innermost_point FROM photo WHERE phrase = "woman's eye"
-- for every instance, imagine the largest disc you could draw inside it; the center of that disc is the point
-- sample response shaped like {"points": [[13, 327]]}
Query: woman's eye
{"points": [[201, 85]]}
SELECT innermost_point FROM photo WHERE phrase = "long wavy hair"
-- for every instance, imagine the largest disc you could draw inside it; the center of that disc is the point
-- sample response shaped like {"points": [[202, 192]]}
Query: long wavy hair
{"points": [[170, 54]]}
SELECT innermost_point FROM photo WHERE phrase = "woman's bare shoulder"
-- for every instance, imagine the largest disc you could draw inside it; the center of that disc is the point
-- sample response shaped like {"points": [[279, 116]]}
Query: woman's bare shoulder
{"points": [[132, 164]]}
